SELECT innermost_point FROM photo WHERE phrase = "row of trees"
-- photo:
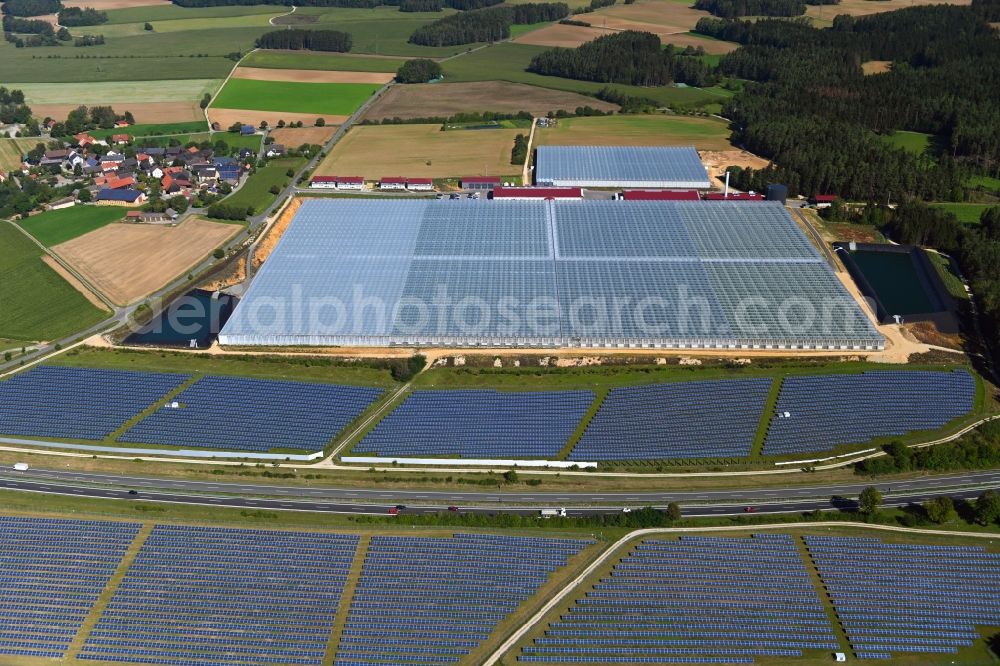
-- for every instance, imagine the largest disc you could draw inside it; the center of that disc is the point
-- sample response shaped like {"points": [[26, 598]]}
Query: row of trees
{"points": [[485, 25], [519, 153], [75, 16], [12, 107], [25, 26], [31, 7], [311, 40], [628, 57]]}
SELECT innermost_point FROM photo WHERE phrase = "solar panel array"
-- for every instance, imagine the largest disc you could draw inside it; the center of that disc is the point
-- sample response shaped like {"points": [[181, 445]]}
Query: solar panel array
{"points": [[430, 601], [908, 598], [547, 273], [78, 403], [710, 419], [240, 414], [694, 600], [620, 166], [53, 573], [479, 424], [821, 412], [201, 596]]}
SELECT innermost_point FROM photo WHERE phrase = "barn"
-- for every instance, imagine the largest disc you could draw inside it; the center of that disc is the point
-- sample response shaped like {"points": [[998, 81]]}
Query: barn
{"points": [[621, 166]]}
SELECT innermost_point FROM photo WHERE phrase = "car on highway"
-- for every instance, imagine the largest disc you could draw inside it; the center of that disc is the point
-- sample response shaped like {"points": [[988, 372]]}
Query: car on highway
{"points": [[626, 510], [133, 492], [21, 467], [400, 507], [453, 509], [393, 511], [749, 509]]}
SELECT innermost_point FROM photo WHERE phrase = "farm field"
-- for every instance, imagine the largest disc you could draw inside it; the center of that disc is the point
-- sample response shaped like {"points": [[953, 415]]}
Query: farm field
{"points": [[129, 261], [35, 303], [296, 136], [446, 99], [985, 182], [167, 11], [193, 23], [334, 99], [876, 66], [421, 151], [147, 113], [309, 75], [104, 5], [117, 94], [12, 150], [913, 142], [645, 130], [507, 62], [968, 213], [570, 36], [255, 192], [226, 117], [322, 61], [58, 226], [824, 15], [155, 129]]}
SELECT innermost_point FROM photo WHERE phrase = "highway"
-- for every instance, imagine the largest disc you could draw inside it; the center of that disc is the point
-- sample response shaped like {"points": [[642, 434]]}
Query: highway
{"points": [[367, 501]]}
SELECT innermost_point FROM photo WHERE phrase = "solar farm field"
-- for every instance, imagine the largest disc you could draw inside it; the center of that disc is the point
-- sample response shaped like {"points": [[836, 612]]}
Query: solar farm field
{"points": [[35, 303], [58, 226], [637, 130], [420, 151]]}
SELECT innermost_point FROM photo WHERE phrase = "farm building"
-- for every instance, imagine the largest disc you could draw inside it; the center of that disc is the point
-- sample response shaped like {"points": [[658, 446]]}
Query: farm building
{"points": [[350, 183], [420, 184], [537, 193], [323, 182], [393, 183], [621, 166], [108, 197], [59, 204], [661, 195], [482, 183], [733, 196], [580, 274]]}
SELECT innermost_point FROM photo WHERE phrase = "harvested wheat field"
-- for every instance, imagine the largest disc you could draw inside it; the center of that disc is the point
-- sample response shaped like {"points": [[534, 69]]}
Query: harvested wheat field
{"points": [[876, 66], [866, 7], [296, 136], [130, 261], [446, 99], [146, 113], [226, 117], [657, 16], [413, 151], [559, 34], [712, 46], [310, 75]]}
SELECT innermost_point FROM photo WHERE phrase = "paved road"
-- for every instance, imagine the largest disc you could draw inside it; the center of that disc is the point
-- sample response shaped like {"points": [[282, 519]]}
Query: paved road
{"points": [[353, 500]]}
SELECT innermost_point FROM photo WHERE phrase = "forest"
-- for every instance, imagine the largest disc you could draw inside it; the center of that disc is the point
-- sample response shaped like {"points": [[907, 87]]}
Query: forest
{"points": [[420, 5], [419, 70], [485, 25], [311, 40], [75, 16], [27, 26], [628, 57], [735, 8], [466, 5], [31, 7], [12, 107]]}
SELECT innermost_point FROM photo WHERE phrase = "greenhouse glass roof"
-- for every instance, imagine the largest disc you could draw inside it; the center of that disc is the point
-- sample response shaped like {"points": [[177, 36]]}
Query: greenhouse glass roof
{"points": [[547, 274], [620, 166]]}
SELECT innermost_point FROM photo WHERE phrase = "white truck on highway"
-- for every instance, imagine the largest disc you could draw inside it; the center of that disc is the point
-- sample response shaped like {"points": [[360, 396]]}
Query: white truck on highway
{"points": [[21, 467], [552, 513]]}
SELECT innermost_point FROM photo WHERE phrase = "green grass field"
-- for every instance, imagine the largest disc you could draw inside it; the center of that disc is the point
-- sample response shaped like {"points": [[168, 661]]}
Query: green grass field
{"points": [[12, 150], [255, 192], [340, 99], [194, 126], [170, 12], [58, 226], [320, 61], [200, 24], [984, 182], [913, 142], [640, 130], [35, 303], [507, 62], [967, 213]]}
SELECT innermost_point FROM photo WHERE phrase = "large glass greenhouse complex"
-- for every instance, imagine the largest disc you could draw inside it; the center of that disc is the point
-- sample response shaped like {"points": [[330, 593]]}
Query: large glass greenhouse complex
{"points": [[603, 274], [620, 166]]}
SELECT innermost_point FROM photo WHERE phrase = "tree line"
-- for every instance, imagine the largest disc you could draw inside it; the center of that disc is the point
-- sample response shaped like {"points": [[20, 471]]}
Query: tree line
{"points": [[12, 24], [31, 7], [485, 25], [735, 8], [311, 40], [628, 57], [420, 5], [75, 16]]}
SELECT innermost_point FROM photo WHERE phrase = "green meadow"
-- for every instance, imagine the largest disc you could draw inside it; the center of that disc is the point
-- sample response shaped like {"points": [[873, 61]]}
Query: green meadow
{"points": [[341, 99], [58, 226]]}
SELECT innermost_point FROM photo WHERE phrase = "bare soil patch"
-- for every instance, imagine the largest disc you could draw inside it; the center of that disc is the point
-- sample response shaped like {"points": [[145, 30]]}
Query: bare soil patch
{"points": [[716, 161], [712, 46], [236, 274], [76, 284], [928, 333], [130, 261], [274, 234], [226, 117], [310, 75], [446, 99], [296, 136], [146, 113], [876, 66]]}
